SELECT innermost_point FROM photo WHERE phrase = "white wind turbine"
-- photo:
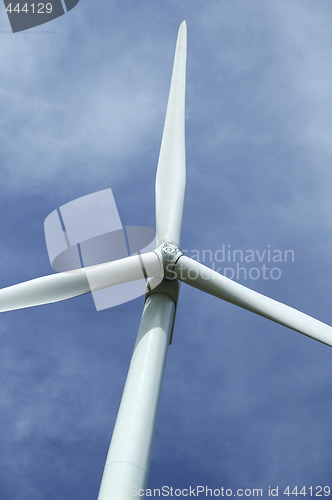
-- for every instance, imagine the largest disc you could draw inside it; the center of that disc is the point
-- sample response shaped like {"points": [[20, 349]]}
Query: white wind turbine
{"points": [[129, 454]]}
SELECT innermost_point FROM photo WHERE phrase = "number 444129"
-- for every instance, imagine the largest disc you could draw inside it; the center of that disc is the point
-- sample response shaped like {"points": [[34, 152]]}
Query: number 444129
{"points": [[30, 8], [310, 491]]}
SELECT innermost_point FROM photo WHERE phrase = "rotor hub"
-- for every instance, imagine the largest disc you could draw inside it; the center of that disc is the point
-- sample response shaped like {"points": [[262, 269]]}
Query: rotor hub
{"points": [[170, 254]]}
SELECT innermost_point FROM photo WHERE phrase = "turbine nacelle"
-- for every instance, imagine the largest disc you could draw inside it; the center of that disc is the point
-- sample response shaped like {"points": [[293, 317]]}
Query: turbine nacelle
{"points": [[170, 254]]}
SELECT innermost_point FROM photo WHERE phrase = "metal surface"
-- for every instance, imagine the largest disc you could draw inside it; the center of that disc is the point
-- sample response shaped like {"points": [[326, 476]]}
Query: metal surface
{"points": [[205, 279], [171, 171], [62, 286], [170, 254], [128, 460]]}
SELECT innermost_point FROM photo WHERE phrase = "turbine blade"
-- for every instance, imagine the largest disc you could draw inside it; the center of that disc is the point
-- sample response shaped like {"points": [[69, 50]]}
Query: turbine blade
{"points": [[209, 281], [44, 290], [62, 286], [171, 171]]}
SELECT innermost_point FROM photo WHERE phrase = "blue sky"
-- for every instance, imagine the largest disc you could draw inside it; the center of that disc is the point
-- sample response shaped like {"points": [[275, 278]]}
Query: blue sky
{"points": [[246, 403]]}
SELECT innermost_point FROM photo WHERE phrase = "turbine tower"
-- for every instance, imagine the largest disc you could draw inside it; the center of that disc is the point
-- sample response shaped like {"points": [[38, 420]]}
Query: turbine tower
{"points": [[128, 459]]}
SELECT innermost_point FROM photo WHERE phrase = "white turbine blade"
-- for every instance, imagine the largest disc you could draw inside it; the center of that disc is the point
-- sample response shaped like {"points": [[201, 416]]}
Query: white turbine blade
{"points": [[62, 286], [44, 290], [207, 280], [171, 172]]}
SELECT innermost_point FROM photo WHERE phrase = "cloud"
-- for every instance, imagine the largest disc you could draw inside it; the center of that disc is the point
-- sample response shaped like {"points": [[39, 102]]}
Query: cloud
{"points": [[81, 110]]}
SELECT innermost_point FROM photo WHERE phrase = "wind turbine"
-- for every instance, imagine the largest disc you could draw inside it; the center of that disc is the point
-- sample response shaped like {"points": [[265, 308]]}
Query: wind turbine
{"points": [[128, 459]]}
